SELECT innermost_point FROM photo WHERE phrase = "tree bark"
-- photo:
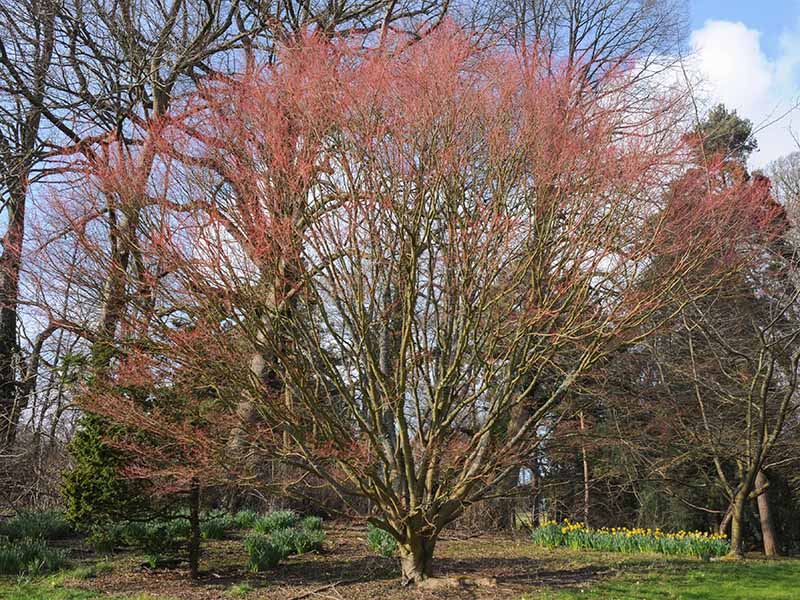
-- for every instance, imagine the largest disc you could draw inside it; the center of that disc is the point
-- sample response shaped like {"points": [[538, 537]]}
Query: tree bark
{"points": [[194, 531], [585, 461], [768, 534], [737, 521], [416, 559], [726, 520], [10, 263]]}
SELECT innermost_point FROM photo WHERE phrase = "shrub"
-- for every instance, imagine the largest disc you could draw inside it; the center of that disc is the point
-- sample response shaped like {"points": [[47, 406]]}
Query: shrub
{"points": [[307, 540], [311, 523], [105, 537], [285, 539], [263, 553], [382, 542], [240, 589], [157, 537], [179, 527], [133, 533], [245, 519], [278, 519], [216, 525], [94, 489], [30, 556], [46, 525]]}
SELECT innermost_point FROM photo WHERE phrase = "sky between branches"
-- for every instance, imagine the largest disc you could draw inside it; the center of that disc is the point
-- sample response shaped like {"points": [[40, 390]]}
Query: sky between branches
{"points": [[749, 55]]}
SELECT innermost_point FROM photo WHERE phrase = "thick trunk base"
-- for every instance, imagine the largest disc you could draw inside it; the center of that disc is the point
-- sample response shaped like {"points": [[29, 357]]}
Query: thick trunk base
{"points": [[416, 560]]}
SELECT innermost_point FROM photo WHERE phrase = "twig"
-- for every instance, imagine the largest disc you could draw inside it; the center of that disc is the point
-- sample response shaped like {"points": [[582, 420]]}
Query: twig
{"points": [[323, 588]]}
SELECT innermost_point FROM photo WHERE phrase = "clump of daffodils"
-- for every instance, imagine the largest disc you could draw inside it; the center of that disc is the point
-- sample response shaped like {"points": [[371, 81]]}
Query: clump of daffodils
{"points": [[577, 536]]}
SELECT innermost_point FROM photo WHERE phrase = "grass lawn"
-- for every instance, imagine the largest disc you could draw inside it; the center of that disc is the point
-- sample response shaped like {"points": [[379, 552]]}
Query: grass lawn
{"points": [[482, 568], [751, 580]]}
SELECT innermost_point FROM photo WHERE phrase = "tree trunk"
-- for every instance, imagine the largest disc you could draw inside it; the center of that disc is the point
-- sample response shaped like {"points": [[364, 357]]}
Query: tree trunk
{"points": [[726, 521], [10, 263], [737, 521], [535, 495], [416, 559], [194, 531], [765, 516], [585, 461]]}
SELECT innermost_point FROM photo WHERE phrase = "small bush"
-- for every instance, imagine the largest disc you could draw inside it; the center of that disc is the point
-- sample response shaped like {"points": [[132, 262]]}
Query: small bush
{"points": [[213, 530], [245, 519], [263, 553], [311, 524], [179, 527], [240, 589], [285, 539], [45, 525], [381, 542], [133, 533], [104, 538], [31, 556], [153, 560], [278, 519], [217, 525], [157, 537], [307, 540]]}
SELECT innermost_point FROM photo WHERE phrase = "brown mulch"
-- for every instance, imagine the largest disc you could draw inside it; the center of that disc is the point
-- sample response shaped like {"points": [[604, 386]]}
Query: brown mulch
{"points": [[480, 568]]}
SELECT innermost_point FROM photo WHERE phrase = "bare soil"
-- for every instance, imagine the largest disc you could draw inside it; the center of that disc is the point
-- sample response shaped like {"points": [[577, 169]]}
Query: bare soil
{"points": [[483, 567]]}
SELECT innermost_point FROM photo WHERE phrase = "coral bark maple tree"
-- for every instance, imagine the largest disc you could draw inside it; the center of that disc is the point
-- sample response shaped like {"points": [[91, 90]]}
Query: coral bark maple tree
{"points": [[404, 242]]}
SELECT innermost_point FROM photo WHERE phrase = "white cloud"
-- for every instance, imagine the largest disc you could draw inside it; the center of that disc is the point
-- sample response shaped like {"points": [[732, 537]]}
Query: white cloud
{"points": [[736, 71]]}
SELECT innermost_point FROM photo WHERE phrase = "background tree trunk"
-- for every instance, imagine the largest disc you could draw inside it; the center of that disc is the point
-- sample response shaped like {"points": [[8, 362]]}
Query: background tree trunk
{"points": [[585, 461], [765, 516], [194, 531]]}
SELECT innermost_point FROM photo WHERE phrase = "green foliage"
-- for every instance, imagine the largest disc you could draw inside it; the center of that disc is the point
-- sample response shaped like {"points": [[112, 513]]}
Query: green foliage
{"points": [[245, 519], [105, 537], [311, 523], [217, 525], [47, 525], [285, 539], [382, 542], [93, 490], [577, 537], [160, 536], [278, 519], [726, 133], [90, 571], [157, 537], [240, 589], [263, 553], [153, 560], [306, 540], [30, 556]]}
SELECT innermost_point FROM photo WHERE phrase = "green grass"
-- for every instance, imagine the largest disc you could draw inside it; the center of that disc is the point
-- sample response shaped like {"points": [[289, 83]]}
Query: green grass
{"points": [[52, 589], [749, 580]]}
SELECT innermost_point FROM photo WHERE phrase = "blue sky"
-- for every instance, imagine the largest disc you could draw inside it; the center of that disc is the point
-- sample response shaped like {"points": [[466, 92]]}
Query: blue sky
{"points": [[770, 17], [748, 55]]}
